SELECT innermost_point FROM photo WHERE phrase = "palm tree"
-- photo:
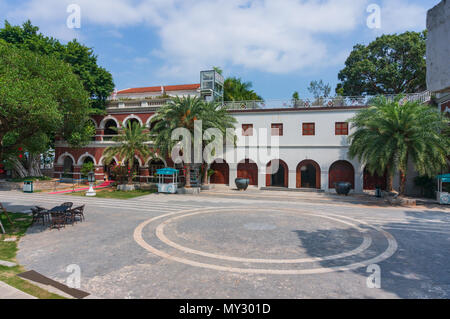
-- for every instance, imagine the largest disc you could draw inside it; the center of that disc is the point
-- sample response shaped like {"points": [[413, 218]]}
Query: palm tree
{"points": [[182, 112], [130, 143], [389, 134], [236, 90]]}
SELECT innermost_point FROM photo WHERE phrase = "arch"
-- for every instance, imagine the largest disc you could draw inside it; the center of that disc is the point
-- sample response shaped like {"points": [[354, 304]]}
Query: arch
{"points": [[68, 168], [277, 173], [108, 169], [308, 175], [222, 172], [61, 157], [93, 121], [106, 119], [341, 171], [248, 169], [154, 164], [102, 159], [370, 182], [130, 117], [109, 125], [82, 158], [147, 123]]}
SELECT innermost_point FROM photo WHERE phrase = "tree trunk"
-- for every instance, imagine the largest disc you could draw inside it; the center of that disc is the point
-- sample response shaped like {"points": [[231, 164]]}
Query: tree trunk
{"points": [[18, 167], [402, 182], [389, 182], [188, 175], [205, 175], [34, 168]]}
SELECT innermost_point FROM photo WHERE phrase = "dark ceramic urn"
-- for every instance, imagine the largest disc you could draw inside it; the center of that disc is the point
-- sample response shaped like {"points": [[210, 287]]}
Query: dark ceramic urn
{"points": [[242, 183]]}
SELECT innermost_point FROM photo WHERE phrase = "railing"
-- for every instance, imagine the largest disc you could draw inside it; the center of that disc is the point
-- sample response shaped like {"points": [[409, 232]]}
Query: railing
{"points": [[330, 102], [137, 103]]}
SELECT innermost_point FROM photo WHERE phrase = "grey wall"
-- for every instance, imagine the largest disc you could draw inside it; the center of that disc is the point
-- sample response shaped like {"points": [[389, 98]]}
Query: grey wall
{"points": [[438, 47]]}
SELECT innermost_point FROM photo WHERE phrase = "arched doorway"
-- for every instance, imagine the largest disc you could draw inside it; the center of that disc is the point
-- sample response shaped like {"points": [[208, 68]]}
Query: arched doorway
{"points": [[68, 167], [341, 171], [370, 181], [131, 122], [308, 174], [221, 172], [110, 130], [109, 170], [277, 173], [248, 169], [153, 165]]}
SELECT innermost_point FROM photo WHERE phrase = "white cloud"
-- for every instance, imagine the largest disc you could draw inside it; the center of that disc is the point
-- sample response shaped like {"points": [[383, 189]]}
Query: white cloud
{"points": [[401, 15], [277, 36]]}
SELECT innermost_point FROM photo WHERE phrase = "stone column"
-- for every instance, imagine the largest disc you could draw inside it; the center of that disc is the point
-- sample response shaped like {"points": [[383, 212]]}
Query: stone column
{"points": [[99, 135], [144, 173], [57, 170], [76, 172], [232, 175]]}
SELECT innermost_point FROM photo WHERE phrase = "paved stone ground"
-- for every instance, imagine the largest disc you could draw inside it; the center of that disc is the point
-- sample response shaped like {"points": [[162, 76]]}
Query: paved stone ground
{"points": [[246, 245], [9, 292]]}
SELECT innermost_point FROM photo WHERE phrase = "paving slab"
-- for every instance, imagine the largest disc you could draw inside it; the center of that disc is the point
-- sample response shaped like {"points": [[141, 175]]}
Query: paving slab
{"points": [[9, 292]]}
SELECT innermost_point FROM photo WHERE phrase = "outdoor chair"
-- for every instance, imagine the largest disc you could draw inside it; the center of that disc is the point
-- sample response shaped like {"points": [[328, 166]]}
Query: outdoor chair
{"points": [[67, 204], [38, 215], [58, 220], [44, 211], [79, 212], [69, 217]]}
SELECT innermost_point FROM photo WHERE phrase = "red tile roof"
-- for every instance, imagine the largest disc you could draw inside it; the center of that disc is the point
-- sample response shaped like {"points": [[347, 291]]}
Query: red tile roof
{"points": [[167, 88]]}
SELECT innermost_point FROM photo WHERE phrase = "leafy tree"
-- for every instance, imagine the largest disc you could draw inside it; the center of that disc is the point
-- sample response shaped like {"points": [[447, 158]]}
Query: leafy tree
{"points": [[131, 142], [236, 90], [96, 80], [389, 134], [319, 89], [392, 64], [86, 168], [182, 112], [40, 97]]}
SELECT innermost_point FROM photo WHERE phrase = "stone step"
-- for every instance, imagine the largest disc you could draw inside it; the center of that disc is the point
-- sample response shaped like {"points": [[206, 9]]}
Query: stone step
{"points": [[301, 190]]}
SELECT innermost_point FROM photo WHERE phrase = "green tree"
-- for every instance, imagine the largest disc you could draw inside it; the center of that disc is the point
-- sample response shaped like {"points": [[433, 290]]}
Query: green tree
{"points": [[40, 97], [131, 141], [389, 134], [182, 112], [392, 64], [237, 90], [319, 89], [96, 80]]}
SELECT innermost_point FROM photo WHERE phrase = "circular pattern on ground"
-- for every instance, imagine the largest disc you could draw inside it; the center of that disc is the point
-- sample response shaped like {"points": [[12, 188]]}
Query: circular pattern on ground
{"points": [[172, 218]]}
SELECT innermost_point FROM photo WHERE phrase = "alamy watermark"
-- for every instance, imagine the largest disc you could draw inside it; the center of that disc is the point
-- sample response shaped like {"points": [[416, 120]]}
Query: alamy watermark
{"points": [[74, 279], [74, 19], [374, 19], [374, 279]]}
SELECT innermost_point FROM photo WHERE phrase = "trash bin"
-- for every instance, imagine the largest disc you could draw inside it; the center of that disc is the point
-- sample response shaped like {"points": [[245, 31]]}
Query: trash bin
{"points": [[378, 191], [28, 186]]}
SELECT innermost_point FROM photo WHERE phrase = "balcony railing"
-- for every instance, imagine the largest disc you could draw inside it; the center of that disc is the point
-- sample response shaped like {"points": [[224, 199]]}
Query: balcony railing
{"points": [[137, 103], [330, 102]]}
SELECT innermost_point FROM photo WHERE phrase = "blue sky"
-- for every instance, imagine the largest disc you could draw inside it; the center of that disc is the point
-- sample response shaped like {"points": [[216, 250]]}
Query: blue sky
{"points": [[278, 45]]}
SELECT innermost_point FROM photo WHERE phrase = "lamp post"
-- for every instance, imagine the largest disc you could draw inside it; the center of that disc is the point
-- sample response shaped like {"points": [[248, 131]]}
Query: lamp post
{"points": [[91, 180]]}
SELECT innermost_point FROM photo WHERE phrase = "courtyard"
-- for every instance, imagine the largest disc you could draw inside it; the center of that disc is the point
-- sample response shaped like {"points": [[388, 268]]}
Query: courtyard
{"points": [[257, 244]]}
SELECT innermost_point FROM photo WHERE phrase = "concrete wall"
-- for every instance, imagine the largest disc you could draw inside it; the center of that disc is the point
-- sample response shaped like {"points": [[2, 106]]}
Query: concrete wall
{"points": [[438, 47]]}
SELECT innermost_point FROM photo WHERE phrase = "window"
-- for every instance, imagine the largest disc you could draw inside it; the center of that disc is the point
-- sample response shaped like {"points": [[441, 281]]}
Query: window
{"points": [[309, 128], [247, 129], [341, 128], [277, 129]]}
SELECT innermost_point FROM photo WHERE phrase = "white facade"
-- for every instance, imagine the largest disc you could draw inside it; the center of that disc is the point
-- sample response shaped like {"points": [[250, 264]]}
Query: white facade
{"points": [[324, 147]]}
